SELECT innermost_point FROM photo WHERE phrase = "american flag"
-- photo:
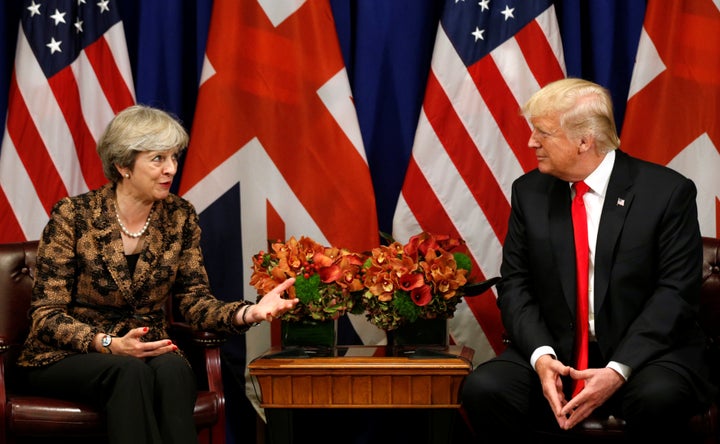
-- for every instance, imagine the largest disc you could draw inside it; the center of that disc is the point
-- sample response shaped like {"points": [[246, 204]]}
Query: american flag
{"points": [[672, 112], [71, 75], [275, 149], [471, 141]]}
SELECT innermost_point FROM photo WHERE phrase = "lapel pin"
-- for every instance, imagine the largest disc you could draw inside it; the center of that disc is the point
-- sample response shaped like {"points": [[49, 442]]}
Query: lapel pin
{"points": [[620, 202]]}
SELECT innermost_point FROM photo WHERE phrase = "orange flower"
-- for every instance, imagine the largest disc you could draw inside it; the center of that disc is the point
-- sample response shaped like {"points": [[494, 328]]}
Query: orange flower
{"points": [[444, 273], [420, 279], [328, 281], [411, 281], [394, 284], [421, 295]]}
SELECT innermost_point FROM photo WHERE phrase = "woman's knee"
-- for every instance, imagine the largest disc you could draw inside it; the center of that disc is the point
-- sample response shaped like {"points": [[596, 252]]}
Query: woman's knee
{"points": [[173, 370], [131, 370]]}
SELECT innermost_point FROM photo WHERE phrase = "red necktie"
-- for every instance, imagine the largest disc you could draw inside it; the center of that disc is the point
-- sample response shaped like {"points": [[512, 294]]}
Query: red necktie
{"points": [[582, 249]]}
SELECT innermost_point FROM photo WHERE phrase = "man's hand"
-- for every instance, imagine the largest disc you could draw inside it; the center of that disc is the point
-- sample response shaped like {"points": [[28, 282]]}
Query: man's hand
{"points": [[550, 370], [600, 385]]}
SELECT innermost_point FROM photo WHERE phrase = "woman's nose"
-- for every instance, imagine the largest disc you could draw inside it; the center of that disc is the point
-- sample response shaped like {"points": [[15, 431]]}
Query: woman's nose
{"points": [[170, 166]]}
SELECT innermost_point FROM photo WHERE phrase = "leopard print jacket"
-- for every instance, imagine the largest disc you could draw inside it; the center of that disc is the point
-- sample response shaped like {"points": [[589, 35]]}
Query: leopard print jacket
{"points": [[83, 284]]}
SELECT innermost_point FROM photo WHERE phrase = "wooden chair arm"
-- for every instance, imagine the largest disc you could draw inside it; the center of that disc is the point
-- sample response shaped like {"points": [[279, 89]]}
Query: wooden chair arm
{"points": [[198, 338], [203, 349], [3, 395]]}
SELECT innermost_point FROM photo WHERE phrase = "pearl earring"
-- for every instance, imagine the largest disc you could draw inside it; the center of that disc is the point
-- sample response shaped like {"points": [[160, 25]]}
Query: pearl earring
{"points": [[127, 175]]}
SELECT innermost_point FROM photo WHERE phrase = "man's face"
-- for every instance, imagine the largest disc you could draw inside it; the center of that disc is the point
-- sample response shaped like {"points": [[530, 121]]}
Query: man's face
{"points": [[556, 154]]}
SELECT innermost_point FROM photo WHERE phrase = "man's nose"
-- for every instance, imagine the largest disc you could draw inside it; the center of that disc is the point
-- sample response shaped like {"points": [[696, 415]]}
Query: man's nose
{"points": [[533, 142]]}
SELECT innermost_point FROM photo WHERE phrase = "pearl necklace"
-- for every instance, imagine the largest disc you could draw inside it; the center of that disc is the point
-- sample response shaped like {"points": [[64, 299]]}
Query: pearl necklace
{"points": [[128, 232]]}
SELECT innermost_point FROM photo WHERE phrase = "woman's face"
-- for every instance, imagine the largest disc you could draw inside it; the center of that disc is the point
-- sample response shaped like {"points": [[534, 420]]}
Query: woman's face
{"points": [[152, 175]]}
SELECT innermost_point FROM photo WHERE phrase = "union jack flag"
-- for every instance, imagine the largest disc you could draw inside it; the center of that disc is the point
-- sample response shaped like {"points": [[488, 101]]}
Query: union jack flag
{"points": [[275, 149]]}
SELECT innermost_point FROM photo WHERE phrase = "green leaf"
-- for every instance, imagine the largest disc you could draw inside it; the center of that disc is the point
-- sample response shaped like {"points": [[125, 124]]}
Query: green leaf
{"points": [[307, 290], [405, 307], [387, 237], [463, 261]]}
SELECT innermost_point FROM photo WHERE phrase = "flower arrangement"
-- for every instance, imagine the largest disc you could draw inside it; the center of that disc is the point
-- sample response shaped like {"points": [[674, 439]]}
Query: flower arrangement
{"points": [[422, 279], [327, 279]]}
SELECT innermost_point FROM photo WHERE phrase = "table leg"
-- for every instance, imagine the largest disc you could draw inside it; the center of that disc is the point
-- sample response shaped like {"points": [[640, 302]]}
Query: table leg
{"points": [[279, 425]]}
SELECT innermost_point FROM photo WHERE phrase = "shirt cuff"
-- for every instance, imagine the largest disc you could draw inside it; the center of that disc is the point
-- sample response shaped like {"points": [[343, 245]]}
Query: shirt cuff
{"points": [[623, 369], [540, 351]]}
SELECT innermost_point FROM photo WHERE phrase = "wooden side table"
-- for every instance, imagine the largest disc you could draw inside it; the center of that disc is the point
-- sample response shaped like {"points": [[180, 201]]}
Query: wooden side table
{"points": [[361, 377]]}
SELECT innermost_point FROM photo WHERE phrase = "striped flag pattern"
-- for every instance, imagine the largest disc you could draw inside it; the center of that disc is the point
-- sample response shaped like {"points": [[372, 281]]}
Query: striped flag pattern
{"points": [[471, 141], [71, 75], [672, 112]]}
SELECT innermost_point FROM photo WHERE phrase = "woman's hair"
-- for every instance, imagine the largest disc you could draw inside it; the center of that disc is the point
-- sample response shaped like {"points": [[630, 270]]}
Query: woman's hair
{"points": [[135, 129], [583, 108]]}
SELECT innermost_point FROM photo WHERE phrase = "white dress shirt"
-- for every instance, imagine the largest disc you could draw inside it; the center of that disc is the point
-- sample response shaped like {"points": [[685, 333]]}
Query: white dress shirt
{"points": [[595, 197]]}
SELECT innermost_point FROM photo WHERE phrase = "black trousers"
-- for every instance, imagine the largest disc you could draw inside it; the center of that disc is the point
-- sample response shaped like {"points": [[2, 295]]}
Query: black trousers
{"points": [[503, 399], [146, 401]]}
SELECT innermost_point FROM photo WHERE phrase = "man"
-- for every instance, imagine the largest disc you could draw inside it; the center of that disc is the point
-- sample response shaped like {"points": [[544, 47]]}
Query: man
{"points": [[642, 274]]}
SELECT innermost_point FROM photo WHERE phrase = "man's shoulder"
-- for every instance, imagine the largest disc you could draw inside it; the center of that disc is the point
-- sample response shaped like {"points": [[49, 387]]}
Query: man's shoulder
{"points": [[644, 168], [534, 178]]}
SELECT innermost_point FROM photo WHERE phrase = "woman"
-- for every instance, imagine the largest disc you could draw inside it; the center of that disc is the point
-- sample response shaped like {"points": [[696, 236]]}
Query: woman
{"points": [[107, 262]]}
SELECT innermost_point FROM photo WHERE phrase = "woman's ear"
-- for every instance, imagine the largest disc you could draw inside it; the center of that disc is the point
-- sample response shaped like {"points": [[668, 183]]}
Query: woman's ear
{"points": [[123, 171]]}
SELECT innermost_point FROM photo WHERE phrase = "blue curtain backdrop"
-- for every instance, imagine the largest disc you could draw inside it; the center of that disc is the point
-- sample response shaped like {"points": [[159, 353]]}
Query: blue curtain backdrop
{"points": [[387, 45]]}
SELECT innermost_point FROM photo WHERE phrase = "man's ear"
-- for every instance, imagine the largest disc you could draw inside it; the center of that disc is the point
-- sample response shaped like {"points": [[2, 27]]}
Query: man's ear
{"points": [[586, 143]]}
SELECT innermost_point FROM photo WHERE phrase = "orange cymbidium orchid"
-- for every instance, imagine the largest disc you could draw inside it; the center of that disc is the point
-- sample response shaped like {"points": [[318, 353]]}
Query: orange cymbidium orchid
{"points": [[421, 243], [395, 283], [340, 266], [328, 279], [420, 279], [444, 273]]}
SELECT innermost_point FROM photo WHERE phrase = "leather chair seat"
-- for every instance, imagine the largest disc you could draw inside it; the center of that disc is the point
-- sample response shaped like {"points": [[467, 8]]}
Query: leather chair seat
{"points": [[38, 416]]}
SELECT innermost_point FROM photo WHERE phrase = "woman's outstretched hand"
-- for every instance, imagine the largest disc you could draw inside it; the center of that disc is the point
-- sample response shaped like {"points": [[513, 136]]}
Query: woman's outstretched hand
{"points": [[271, 306]]}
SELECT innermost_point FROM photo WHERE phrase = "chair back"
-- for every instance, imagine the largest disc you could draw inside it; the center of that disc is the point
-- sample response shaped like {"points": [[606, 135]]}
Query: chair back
{"points": [[710, 301], [17, 269]]}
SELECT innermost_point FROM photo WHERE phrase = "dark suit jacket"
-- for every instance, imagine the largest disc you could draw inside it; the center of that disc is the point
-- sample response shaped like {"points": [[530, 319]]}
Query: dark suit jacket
{"points": [[83, 284], [647, 268]]}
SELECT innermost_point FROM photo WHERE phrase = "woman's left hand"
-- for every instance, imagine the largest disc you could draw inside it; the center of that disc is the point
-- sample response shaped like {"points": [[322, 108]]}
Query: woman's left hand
{"points": [[271, 306]]}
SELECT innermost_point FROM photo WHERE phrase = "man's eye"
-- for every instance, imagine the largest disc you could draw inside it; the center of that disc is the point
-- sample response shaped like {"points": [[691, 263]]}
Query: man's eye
{"points": [[543, 133]]}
